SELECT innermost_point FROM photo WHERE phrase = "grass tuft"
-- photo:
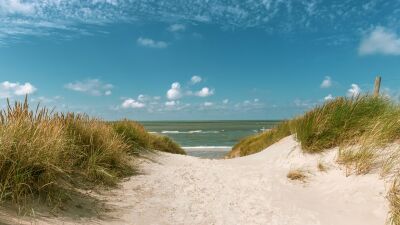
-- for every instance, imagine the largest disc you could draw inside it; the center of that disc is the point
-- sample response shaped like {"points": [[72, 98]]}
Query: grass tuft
{"points": [[140, 140], [259, 142], [394, 201], [297, 174], [321, 167]]}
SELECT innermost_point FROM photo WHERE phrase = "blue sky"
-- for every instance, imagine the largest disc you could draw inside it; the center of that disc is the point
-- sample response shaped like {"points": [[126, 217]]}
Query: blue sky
{"points": [[182, 60]]}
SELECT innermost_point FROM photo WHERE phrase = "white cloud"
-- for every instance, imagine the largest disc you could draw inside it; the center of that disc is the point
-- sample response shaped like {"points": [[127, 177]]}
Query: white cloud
{"points": [[16, 6], [176, 27], [207, 104], [132, 103], [93, 87], [327, 82], [47, 100], [204, 92], [195, 79], [147, 42], [328, 97], [9, 89], [354, 91], [380, 41], [256, 100], [303, 103], [175, 92], [171, 103], [225, 101]]}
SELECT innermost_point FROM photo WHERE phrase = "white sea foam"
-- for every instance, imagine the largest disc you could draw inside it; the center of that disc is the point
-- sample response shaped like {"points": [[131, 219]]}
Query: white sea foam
{"points": [[208, 148], [189, 132]]}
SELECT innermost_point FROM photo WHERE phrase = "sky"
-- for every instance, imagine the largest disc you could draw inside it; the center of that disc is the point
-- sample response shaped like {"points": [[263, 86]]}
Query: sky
{"points": [[196, 59]]}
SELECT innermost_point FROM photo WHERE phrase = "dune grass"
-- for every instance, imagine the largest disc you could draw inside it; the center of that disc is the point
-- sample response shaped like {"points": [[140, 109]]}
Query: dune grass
{"points": [[46, 155], [297, 174], [322, 167], [140, 140], [259, 142], [394, 203], [366, 121], [366, 130]]}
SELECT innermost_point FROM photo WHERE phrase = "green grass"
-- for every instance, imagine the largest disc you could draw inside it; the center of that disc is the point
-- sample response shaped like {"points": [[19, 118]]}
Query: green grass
{"points": [[140, 140], [366, 121], [44, 155], [364, 129], [259, 142]]}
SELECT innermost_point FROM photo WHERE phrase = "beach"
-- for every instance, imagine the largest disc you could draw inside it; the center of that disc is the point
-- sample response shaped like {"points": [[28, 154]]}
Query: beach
{"points": [[177, 189]]}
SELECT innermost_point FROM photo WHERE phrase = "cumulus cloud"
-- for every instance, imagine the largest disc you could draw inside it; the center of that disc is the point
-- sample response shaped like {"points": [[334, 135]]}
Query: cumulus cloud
{"points": [[10, 89], [225, 101], [195, 79], [205, 92], [176, 27], [328, 97], [380, 41], [175, 92], [354, 91], [94, 87], [133, 104], [327, 82], [150, 43]]}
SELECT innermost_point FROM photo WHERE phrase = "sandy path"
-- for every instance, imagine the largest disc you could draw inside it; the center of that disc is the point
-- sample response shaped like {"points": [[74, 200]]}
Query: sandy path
{"points": [[250, 190], [179, 190]]}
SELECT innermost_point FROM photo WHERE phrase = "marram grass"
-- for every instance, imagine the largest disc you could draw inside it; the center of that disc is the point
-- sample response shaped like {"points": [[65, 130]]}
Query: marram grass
{"points": [[43, 154], [366, 130]]}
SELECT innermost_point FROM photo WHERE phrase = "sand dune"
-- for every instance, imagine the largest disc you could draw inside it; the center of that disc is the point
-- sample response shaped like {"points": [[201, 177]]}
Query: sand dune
{"points": [[178, 189]]}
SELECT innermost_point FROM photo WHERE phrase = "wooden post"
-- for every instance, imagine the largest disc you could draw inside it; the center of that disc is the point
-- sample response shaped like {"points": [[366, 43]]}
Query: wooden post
{"points": [[377, 86]]}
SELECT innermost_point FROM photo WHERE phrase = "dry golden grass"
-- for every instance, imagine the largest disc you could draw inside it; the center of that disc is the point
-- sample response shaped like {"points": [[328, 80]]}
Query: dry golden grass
{"points": [[140, 140], [321, 167], [297, 174], [45, 155], [364, 128], [394, 201]]}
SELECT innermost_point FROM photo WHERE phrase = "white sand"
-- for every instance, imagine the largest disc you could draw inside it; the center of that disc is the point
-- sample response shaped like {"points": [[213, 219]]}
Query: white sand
{"points": [[250, 190]]}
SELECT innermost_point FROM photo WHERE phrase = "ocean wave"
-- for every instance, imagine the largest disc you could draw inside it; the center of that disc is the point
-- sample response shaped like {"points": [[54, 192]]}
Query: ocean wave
{"points": [[189, 132], [207, 148]]}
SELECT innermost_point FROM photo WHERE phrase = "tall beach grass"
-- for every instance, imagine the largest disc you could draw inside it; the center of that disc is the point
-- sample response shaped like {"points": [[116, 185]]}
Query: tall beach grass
{"points": [[43, 154], [365, 129]]}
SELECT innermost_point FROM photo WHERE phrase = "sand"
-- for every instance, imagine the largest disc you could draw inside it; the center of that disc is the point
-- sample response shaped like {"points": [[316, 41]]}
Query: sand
{"points": [[175, 189]]}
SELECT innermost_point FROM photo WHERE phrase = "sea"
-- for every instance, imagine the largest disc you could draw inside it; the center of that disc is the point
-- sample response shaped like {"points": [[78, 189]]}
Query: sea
{"points": [[208, 139]]}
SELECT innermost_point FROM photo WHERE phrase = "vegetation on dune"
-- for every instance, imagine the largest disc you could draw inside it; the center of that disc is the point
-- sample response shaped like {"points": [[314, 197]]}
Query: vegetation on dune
{"points": [[259, 142], [297, 174], [43, 154], [139, 139], [394, 203], [366, 122], [366, 129]]}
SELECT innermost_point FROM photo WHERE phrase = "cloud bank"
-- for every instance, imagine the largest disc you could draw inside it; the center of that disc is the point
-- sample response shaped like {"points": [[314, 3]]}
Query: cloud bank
{"points": [[49, 17]]}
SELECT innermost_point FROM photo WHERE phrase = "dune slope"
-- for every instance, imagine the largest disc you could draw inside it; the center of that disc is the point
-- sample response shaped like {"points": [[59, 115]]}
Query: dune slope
{"points": [[178, 189]]}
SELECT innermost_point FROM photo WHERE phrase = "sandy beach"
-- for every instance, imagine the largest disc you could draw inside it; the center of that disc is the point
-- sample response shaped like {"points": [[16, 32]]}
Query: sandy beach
{"points": [[176, 189]]}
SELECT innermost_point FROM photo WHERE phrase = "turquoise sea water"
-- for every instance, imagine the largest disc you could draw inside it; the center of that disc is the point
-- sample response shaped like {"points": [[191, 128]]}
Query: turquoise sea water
{"points": [[208, 139]]}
